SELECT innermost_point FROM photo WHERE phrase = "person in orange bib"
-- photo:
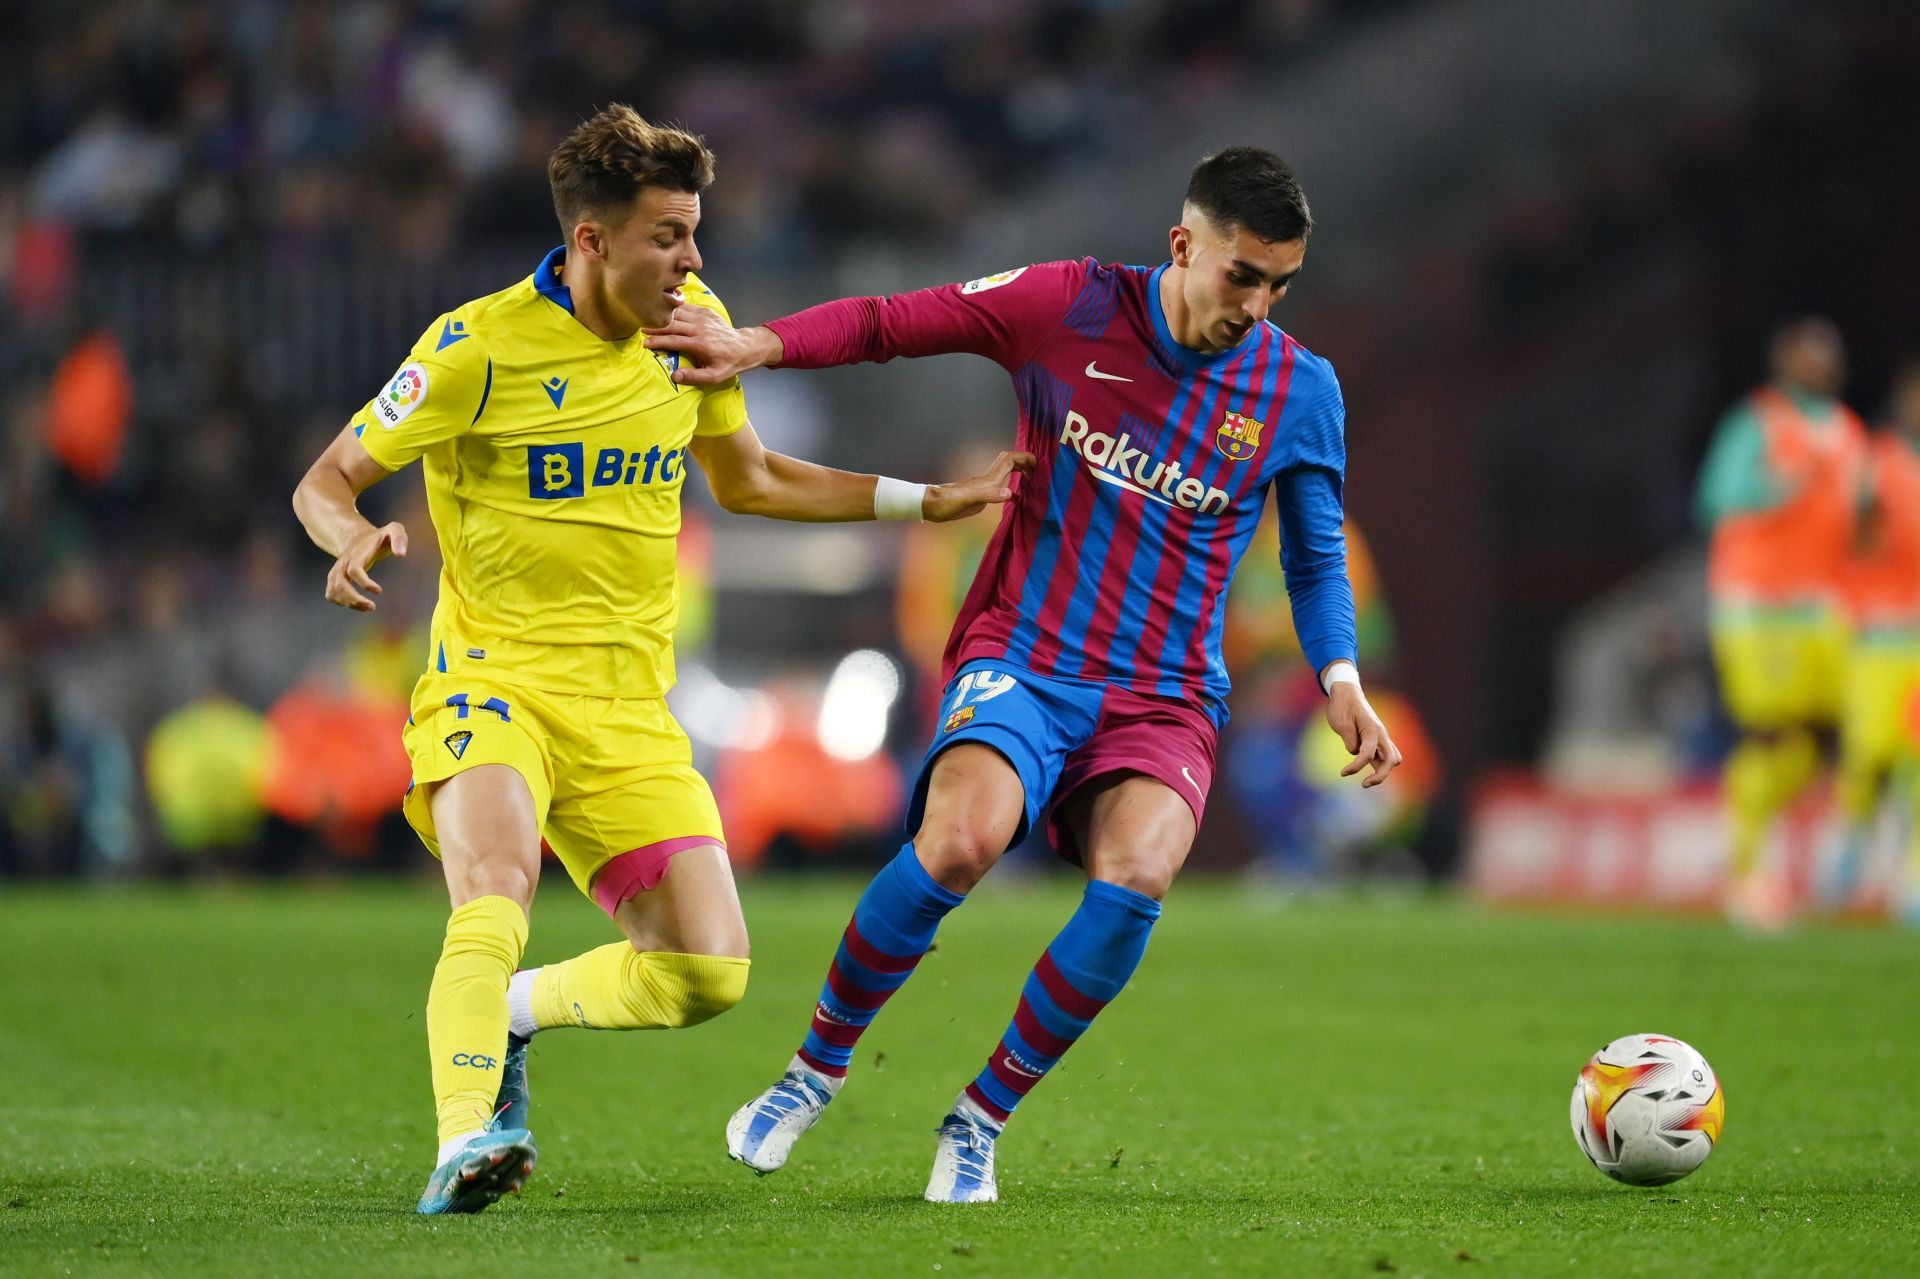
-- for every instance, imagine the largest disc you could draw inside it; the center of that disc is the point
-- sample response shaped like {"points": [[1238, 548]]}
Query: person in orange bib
{"points": [[1780, 492], [1882, 593]]}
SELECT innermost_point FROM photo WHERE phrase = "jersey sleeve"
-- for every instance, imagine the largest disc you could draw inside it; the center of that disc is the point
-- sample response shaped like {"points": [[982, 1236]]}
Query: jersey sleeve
{"points": [[1313, 543], [1736, 476], [1003, 317], [723, 408], [438, 394]]}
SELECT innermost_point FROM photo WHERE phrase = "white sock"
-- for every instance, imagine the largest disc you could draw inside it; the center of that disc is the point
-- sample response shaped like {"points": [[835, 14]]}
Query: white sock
{"points": [[520, 1003], [453, 1145], [966, 1105], [828, 1082]]}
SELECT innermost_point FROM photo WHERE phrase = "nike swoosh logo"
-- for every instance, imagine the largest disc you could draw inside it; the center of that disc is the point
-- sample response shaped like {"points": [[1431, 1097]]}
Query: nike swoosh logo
{"points": [[1104, 377], [1193, 782], [1108, 477]]}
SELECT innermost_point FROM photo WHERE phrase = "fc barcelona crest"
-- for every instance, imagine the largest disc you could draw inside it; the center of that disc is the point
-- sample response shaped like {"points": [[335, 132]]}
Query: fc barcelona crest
{"points": [[962, 716], [1238, 437]]}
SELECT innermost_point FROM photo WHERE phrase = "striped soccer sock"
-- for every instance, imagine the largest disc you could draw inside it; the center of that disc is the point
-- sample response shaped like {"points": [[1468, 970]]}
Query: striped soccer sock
{"points": [[1079, 974], [892, 927]]}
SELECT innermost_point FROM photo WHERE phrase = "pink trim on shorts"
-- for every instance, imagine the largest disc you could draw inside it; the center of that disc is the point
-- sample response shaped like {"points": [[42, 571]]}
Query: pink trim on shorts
{"points": [[640, 870]]}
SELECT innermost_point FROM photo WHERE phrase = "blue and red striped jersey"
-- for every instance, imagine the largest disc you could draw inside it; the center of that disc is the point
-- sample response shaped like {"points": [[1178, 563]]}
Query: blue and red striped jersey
{"points": [[1112, 562]]}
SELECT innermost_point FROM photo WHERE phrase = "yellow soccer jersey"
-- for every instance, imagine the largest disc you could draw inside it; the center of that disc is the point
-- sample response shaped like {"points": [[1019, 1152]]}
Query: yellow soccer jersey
{"points": [[553, 461]]}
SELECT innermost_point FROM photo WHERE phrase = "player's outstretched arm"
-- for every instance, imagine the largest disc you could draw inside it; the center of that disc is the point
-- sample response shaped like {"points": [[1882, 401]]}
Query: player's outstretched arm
{"points": [[713, 350], [1367, 740], [748, 479], [325, 501], [1002, 317]]}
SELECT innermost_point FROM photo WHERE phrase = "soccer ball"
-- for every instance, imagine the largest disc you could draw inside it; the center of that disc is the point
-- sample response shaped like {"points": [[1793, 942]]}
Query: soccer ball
{"points": [[1647, 1110]]}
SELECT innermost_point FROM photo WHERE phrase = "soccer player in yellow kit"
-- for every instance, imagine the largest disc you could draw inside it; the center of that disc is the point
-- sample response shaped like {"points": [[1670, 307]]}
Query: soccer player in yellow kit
{"points": [[554, 446], [1779, 493], [1881, 588]]}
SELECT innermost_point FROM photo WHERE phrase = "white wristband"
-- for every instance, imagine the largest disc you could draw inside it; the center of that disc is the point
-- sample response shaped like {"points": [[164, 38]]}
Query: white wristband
{"points": [[1340, 672], [898, 500]]}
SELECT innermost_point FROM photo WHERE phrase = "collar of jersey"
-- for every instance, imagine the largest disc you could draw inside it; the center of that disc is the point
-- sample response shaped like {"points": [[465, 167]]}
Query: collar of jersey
{"points": [[1186, 354], [1810, 405], [546, 279]]}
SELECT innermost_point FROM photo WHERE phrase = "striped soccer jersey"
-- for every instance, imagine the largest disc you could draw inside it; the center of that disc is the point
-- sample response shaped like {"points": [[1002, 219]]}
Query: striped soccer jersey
{"points": [[1155, 461]]}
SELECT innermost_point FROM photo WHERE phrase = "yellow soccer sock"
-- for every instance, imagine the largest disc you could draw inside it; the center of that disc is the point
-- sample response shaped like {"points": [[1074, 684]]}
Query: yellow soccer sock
{"points": [[1763, 777], [1909, 890], [1796, 762], [467, 1010], [616, 987], [1750, 790], [1858, 785]]}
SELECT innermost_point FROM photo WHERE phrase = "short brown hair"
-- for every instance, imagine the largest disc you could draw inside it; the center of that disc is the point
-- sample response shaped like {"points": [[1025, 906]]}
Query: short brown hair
{"points": [[605, 162]]}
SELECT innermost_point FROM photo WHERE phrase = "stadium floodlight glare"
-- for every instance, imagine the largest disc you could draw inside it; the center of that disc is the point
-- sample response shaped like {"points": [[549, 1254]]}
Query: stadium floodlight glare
{"points": [[854, 709], [716, 714]]}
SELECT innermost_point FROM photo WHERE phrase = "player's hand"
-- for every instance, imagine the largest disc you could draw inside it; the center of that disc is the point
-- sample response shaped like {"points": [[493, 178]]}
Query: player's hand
{"points": [[1366, 738], [711, 349], [348, 582], [956, 501]]}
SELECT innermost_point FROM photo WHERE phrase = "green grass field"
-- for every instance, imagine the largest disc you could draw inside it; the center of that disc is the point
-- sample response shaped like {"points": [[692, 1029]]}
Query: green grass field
{"points": [[233, 1081]]}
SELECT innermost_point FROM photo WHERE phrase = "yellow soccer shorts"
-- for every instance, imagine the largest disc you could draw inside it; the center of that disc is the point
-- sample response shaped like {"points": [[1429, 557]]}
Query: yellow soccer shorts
{"points": [[1780, 668], [614, 787]]}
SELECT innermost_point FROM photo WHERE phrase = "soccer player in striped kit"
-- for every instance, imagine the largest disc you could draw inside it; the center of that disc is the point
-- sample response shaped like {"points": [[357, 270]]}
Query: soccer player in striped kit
{"points": [[1086, 687]]}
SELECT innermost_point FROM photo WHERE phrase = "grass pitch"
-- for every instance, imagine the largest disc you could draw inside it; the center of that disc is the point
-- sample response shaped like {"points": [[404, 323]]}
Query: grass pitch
{"points": [[234, 1081]]}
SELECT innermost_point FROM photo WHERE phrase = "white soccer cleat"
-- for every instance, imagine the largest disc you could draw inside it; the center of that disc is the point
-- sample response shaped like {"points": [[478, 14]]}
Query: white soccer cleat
{"points": [[963, 1162], [762, 1132]]}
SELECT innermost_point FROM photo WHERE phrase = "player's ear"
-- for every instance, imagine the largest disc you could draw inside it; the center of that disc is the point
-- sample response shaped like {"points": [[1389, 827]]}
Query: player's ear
{"points": [[1180, 242], [590, 238]]}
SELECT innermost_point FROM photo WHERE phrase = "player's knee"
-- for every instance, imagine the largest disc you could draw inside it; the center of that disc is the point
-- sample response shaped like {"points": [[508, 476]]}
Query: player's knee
{"points": [[726, 939], [1148, 876], [708, 985], [958, 857], [492, 879]]}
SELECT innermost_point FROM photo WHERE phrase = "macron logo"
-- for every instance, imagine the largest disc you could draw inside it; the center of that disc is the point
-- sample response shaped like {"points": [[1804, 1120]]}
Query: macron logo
{"points": [[1118, 463]]}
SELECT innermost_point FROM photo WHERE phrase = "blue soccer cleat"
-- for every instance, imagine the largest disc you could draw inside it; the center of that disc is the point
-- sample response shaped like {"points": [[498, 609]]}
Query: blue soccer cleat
{"points": [[488, 1166], [963, 1162], [512, 1105], [762, 1132]]}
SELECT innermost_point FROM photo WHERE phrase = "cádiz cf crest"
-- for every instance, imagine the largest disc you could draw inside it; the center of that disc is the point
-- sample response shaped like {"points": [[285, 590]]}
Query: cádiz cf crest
{"points": [[1238, 437]]}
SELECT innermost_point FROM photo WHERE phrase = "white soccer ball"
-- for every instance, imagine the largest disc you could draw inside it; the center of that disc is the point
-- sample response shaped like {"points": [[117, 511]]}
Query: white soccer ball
{"points": [[1647, 1110]]}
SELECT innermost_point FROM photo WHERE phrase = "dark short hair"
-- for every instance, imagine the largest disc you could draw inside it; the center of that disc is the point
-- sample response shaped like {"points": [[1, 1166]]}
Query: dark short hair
{"points": [[605, 162], [1803, 327], [1253, 189]]}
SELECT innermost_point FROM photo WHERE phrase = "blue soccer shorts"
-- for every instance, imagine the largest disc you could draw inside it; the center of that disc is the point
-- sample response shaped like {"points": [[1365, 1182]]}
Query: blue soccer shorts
{"points": [[1060, 734]]}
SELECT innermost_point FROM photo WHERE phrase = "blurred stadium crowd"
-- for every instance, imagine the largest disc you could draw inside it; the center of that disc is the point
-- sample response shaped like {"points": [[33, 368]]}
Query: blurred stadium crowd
{"points": [[1551, 255], [169, 683], [419, 124]]}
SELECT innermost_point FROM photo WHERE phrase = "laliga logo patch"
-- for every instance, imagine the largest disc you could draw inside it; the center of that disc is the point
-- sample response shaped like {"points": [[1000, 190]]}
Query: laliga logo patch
{"points": [[458, 742], [1238, 437], [986, 282], [962, 716], [403, 395]]}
